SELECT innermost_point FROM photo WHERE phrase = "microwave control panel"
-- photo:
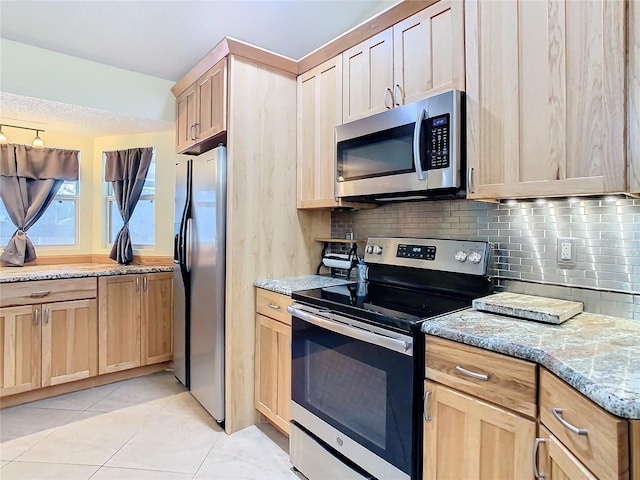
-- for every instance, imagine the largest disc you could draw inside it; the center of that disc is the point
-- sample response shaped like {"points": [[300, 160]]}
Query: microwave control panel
{"points": [[438, 129]]}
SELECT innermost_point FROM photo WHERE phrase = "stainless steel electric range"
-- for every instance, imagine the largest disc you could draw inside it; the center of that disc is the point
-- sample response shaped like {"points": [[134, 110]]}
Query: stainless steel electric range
{"points": [[358, 357]]}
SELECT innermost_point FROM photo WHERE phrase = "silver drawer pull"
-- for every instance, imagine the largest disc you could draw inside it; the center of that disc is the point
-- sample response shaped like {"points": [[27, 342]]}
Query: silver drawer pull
{"points": [[425, 406], [534, 459], [557, 413], [40, 293], [469, 373], [275, 307]]}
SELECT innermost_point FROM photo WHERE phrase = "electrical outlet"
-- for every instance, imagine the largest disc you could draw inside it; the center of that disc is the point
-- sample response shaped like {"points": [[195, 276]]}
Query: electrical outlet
{"points": [[566, 251]]}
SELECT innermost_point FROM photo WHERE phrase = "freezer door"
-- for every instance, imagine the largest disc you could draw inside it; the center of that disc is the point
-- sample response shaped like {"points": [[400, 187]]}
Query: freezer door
{"points": [[209, 195], [180, 277]]}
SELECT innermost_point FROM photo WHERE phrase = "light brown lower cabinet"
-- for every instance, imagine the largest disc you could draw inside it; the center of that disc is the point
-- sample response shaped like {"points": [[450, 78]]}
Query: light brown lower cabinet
{"points": [[135, 320], [47, 344], [465, 437], [273, 358], [555, 462]]}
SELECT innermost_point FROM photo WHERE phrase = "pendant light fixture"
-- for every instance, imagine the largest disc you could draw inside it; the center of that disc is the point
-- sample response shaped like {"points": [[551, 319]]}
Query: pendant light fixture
{"points": [[37, 141]]}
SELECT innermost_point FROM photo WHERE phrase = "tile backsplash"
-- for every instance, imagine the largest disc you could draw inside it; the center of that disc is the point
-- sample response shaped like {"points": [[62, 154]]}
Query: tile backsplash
{"points": [[606, 273]]}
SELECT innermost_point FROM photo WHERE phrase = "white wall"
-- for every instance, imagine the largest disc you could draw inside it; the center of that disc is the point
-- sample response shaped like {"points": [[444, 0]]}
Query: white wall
{"points": [[39, 73]]}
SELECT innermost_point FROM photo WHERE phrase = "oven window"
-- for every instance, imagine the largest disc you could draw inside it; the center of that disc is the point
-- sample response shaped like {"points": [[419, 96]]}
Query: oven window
{"points": [[361, 389], [348, 391], [389, 152]]}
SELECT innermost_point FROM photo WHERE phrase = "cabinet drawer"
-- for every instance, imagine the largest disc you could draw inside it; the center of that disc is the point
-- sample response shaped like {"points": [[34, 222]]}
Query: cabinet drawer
{"points": [[47, 291], [274, 305], [604, 449], [500, 379]]}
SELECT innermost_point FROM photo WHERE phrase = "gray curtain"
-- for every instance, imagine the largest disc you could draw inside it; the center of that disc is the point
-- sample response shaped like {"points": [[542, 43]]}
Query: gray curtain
{"points": [[29, 179], [126, 170]]}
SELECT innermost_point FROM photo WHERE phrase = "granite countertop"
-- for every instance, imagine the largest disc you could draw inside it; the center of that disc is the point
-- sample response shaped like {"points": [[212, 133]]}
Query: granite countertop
{"points": [[74, 270], [304, 282], [596, 354]]}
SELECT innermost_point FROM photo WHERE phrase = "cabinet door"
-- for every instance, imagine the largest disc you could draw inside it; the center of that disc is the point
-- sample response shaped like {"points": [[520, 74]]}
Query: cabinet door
{"points": [[69, 341], [557, 462], [368, 77], [468, 438], [211, 94], [319, 112], [545, 97], [429, 52], [284, 376], [118, 323], [186, 114], [157, 318], [273, 371], [20, 335]]}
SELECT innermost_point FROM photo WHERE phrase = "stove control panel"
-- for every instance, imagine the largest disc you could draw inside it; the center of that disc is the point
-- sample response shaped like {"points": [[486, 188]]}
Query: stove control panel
{"points": [[419, 252], [461, 256]]}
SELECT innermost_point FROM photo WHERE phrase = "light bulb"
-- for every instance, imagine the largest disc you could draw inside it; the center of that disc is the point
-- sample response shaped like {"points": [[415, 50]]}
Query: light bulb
{"points": [[37, 142]]}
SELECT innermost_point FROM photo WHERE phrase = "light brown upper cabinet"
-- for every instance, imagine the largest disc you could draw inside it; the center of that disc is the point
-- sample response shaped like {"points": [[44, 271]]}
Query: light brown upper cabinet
{"points": [[319, 112], [545, 98], [418, 56], [201, 110]]}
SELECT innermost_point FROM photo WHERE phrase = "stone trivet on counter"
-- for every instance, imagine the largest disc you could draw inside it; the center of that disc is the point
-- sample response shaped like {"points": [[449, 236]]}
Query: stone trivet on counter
{"points": [[529, 307]]}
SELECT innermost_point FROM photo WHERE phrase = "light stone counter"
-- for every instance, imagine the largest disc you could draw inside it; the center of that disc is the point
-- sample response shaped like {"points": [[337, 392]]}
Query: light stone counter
{"points": [[74, 270], [596, 354], [304, 282]]}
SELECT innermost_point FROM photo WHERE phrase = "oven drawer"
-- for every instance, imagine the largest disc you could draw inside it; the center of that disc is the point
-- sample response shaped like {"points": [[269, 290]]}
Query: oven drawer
{"points": [[47, 291], [494, 377], [274, 305], [599, 439]]}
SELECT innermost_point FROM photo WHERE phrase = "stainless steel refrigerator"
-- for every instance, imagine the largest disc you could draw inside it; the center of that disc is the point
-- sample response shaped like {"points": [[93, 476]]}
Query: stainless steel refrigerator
{"points": [[199, 277]]}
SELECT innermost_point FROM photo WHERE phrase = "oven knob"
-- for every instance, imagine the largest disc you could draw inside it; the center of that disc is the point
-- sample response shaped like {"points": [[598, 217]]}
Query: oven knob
{"points": [[377, 250], [460, 256], [475, 257], [369, 249]]}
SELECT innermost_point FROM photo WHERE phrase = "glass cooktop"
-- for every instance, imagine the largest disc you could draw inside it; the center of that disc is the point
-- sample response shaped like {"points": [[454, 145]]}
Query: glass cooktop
{"points": [[398, 308]]}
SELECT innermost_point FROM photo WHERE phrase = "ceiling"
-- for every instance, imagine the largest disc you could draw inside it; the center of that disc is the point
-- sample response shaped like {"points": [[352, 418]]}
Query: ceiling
{"points": [[161, 38]]}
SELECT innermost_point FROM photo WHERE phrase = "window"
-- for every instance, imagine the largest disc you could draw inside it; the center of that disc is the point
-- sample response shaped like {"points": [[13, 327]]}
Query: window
{"points": [[58, 224], [142, 226]]}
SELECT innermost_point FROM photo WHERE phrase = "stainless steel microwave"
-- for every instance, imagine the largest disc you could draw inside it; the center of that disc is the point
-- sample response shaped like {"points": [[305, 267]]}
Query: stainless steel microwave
{"points": [[410, 152]]}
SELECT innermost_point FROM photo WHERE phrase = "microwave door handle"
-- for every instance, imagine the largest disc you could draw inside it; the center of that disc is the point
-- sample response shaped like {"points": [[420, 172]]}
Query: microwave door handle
{"points": [[417, 160]]}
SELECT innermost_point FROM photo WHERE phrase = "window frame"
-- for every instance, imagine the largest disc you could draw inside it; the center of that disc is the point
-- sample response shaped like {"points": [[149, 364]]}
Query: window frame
{"points": [[111, 199], [76, 233]]}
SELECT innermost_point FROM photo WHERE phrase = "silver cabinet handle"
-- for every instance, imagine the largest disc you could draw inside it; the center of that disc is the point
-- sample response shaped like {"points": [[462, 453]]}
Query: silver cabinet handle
{"points": [[40, 293], [557, 413], [425, 406], [469, 373], [193, 135], [388, 92], [275, 307], [47, 315], [195, 129], [144, 283], [534, 457], [36, 316], [399, 97], [137, 284], [470, 180]]}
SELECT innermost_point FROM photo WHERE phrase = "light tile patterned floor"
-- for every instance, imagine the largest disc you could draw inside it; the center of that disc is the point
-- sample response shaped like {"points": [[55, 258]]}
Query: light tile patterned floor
{"points": [[139, 429]]}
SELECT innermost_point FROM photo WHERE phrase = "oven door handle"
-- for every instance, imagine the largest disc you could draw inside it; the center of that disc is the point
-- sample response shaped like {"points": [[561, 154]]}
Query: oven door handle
{"points": [[402, 346]]}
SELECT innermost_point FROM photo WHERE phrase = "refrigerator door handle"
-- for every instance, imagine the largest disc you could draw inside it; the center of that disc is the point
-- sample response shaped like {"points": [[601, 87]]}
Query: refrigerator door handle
{"points": [[188, 245]]}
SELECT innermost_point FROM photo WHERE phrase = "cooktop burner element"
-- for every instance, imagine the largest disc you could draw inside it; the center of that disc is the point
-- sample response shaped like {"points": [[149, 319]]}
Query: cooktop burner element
{"points": [[410, 280]]}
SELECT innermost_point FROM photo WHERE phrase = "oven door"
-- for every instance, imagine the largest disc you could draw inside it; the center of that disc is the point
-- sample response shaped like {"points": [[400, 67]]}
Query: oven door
{"points": [[352, 387]]}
